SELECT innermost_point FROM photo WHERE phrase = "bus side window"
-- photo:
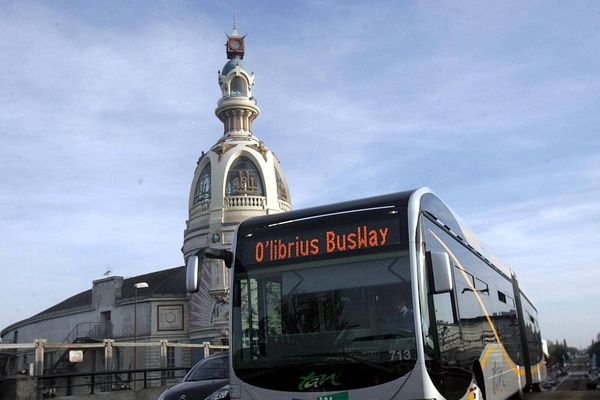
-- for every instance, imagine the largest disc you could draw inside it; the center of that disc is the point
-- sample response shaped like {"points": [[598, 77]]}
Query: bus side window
{"points": [[443, 308], [446, 326]]}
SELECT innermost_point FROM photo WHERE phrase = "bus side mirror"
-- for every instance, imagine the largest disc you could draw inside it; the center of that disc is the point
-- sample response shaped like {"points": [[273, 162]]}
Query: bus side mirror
{"points": [[441, 271], [192, 272]]}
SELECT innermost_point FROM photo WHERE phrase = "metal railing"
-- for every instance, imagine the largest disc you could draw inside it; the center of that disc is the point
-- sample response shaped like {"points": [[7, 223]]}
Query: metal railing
{"points": [[88, 329], [97, 382], [110, 378], [85, 330]]}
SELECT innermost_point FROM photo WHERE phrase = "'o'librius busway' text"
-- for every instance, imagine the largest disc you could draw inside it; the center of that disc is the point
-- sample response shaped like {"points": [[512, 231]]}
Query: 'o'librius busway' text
{"points": [[360, 238]]}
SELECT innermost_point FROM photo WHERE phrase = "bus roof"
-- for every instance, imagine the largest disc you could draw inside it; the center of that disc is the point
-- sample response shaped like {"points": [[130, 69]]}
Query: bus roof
{"points": [[463, 233], [387, 200]]}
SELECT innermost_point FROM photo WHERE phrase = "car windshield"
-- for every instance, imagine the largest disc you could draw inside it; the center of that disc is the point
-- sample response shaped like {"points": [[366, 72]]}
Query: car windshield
{"points": [[328, 325], [212, 368]]}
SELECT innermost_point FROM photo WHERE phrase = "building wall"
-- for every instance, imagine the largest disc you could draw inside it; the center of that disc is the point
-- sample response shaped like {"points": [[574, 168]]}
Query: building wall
{"points": [[158, 318], [54, 328]]}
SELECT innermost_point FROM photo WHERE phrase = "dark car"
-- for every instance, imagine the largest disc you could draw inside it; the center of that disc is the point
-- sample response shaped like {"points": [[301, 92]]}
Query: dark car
{"points": [[206, 377]]}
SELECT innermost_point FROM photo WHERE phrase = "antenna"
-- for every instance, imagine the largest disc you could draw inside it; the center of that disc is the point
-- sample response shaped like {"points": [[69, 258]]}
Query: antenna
{"points": [[234, 25]]}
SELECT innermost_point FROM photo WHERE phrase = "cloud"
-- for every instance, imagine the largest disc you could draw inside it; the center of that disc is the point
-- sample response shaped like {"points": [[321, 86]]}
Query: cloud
{"points": [[552, 244], [86, 115], [104, 110]]}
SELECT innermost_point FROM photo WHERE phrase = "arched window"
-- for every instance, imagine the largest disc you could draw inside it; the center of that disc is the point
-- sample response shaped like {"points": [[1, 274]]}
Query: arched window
{"points": [[282, 193], [238, 86], [244, 179], [203, 186]]}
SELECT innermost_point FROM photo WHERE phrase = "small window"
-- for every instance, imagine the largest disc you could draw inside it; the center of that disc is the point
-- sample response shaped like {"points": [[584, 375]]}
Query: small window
{"points": [[282, 193], [238, 86], [244, 179], [464, 277], [501, 297], [481, 286], [203, 186]]}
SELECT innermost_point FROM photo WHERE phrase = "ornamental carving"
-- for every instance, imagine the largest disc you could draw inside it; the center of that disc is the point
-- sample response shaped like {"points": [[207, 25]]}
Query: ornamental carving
{"points": [[220, 312], [261, 148], [222, 148]]}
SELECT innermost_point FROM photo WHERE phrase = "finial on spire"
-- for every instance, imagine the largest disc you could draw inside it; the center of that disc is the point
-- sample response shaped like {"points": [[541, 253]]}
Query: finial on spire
{"points": [[235, 42], [234, 25]]}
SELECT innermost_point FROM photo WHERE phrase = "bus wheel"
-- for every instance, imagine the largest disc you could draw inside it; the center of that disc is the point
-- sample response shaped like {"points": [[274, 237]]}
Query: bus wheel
{"points": [[478, 378], [536, 387], [517, 396]]}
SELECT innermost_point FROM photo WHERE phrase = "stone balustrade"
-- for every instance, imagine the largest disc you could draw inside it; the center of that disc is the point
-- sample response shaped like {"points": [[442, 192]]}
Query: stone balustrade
{"points": [[284, 205], [245, 202]]}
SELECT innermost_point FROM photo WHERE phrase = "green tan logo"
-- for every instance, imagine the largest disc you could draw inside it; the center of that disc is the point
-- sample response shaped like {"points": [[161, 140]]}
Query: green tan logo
{"points": [[314, 381]]}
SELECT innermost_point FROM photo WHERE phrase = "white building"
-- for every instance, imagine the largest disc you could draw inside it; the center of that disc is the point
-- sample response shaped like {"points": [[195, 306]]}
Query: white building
{"points": [[238, 178], [106, 311]]}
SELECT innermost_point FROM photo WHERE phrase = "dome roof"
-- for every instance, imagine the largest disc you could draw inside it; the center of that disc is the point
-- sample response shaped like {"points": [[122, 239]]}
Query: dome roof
{"points": [[231, 64]]}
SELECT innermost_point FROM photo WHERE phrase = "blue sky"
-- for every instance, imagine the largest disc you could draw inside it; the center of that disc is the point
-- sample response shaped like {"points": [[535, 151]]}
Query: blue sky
{"points": [[105, 107]]}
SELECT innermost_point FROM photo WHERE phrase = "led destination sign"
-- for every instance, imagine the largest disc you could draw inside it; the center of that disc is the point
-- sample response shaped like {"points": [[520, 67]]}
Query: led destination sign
{"points": [[299, 243]]}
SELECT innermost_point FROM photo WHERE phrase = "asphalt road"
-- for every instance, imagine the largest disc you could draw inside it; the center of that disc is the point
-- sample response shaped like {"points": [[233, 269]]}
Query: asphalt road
{"points": [[570, 388], [563, 395], [573, 383]]}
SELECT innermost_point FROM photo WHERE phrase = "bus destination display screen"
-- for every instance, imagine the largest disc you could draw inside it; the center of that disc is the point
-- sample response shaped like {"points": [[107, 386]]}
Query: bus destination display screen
{"points": [[296, 241]]}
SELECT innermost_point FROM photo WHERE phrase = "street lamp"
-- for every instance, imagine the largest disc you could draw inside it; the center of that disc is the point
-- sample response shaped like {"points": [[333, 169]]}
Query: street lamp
{"points": [[139, 285]]}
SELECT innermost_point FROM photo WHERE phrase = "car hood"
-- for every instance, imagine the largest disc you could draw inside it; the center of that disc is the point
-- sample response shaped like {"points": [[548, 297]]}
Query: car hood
{"points": [[194, 390]]}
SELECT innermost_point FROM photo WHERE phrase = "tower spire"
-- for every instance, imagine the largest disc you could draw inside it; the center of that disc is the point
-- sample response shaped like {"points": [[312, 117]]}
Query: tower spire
{"points": [[234, 25], [239, 177], [237, 107]]}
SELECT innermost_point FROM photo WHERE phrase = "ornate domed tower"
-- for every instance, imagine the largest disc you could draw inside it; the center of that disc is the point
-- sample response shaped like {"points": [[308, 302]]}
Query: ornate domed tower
{"points": [[238, 178]]}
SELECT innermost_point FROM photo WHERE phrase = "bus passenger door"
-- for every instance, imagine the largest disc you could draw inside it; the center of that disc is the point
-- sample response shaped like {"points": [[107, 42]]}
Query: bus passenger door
{"points": [[452, 376], [448, 368]]}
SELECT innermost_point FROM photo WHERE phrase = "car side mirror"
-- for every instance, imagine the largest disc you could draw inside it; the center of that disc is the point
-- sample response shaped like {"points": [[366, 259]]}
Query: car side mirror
{"points": [[441, 270]]}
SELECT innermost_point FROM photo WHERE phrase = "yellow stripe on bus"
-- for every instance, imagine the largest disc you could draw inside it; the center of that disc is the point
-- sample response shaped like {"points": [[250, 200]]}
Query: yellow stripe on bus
{"points": [[515, 368], [485, 356]]}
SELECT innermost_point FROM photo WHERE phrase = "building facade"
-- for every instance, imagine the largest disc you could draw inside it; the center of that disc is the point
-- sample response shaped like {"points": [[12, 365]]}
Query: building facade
{"points": [[237, 178], [107, 311]]}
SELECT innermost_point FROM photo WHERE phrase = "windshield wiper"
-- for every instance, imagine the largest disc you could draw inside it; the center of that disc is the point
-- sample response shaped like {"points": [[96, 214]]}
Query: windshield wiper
{"points": [[346, 357], [400, 334]]}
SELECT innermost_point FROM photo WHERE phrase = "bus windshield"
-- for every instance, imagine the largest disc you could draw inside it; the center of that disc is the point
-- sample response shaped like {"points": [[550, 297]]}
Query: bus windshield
{"points": [[332, 323]]}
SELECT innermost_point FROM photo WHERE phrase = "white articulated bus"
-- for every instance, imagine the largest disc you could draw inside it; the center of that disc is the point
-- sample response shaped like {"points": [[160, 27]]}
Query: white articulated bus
{"points": [[381, 298]]}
